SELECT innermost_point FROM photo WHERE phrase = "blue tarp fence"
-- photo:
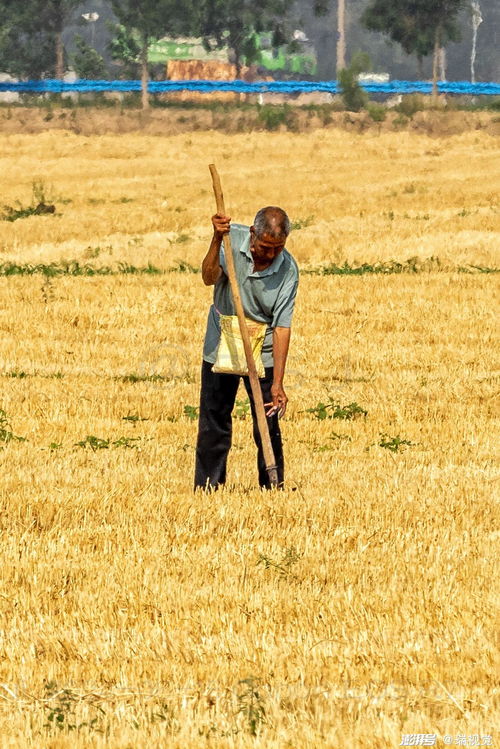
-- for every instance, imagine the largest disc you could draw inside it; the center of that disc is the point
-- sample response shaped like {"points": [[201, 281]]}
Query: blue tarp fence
{"points": [[243, 87]]}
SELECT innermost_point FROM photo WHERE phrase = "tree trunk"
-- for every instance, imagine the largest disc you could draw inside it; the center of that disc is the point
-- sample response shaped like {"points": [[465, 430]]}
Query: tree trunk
{"points": [[237, 63], [59, 56], [435, 62], [420, 68], [144, 74], [340, 36], [442, 63]]}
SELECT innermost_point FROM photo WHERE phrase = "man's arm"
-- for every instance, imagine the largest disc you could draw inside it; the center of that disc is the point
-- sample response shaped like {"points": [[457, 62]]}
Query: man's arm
{"points": [[210, 267], [281, 342]]}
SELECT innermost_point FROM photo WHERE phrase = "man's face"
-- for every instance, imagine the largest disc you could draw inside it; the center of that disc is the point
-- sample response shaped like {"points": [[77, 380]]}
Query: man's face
{"points": [[265, 249]]}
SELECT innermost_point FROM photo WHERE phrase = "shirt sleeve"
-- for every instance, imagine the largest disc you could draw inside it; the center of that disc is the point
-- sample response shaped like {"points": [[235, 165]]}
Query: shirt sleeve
{"points": [[283, 308]]}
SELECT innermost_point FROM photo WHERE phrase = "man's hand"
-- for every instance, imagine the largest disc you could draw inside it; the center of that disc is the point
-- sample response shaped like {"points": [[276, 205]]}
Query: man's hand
{"points": [[278, 405], [221, 224]]}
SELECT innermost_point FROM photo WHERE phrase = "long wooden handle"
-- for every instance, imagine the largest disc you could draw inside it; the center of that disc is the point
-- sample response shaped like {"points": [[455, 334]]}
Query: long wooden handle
{"points": [[252, 370]]}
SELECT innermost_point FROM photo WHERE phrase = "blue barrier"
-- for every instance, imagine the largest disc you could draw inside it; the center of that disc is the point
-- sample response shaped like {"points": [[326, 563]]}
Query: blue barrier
{"points": [[244, 87]]}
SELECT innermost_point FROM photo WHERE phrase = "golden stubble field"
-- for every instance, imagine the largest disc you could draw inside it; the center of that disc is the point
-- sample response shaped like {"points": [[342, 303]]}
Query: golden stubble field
{"points": [[356, 606]]}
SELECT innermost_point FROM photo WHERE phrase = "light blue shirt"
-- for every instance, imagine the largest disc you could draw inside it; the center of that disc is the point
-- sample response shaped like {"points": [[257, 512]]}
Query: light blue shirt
{"points": [[267, 295]]}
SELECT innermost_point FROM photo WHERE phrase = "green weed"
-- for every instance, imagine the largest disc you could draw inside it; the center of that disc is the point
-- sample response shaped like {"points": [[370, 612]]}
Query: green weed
{"points": [[377, 112], [301, 223], [251, 704], [394, 443], [74, 268], [333, 410], [412, 265], [241, 409], [61, 713], [6, 435], [183, 267], [133, 378], [283, 566], [134, 418], [41, 205], [334, 437], [96, 443], [192, 412]]}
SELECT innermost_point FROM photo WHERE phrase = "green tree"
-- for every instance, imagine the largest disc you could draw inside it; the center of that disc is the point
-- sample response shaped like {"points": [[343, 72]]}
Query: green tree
{"points": [[355, 97], [87, 62], [233, 23], [148, 20], [419, 26], [31, 37]]}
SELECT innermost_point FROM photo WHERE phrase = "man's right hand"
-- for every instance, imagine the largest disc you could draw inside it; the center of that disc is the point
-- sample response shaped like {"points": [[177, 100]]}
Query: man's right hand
{"points": [[221, 224]]}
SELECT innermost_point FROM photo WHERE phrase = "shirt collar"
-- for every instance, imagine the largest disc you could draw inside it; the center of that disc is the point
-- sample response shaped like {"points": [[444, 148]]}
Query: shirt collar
{"points": [[273, 268]]}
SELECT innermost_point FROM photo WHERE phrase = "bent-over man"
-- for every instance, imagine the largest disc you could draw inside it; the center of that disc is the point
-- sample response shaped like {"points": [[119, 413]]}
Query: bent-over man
{"points": [[267, 278]]}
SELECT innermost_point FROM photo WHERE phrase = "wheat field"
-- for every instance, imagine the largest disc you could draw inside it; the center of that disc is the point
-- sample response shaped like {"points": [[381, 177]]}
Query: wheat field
{"points": [[356, 606]]}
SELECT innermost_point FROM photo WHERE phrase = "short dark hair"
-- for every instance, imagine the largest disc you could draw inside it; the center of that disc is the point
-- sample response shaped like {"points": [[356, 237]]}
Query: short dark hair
{"points": [[273, 221]]}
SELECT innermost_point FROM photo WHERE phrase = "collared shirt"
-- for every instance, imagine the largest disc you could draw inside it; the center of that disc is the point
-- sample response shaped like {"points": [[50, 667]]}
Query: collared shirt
{"points": [[267, 295]]}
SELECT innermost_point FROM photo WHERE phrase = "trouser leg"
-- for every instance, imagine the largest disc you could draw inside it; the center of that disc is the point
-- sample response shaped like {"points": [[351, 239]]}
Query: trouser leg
{"points": [[274, 432], [218, 393]]}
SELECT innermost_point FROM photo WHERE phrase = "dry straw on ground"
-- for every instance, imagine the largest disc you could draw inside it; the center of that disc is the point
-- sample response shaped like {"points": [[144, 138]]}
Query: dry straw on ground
{"points": [[357, 605]]}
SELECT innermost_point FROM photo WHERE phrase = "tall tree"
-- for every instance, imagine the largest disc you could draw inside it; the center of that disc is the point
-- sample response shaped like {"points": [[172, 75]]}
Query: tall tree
{"points": [[152, 19], [419, 26], [31, 37], [233, 24]]}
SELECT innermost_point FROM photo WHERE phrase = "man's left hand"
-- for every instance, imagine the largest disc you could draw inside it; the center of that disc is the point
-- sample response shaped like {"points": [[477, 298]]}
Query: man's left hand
{"points": [[278, 405]]}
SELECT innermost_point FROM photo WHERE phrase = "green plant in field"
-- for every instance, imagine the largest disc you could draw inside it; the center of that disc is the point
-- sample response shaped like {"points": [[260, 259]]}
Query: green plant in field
{"points": [[55, 445], [334, 437], [183, 267], [192, 412], [126, 442], [301, 223], [134, 377], [412, 265], [377, 112], [251, 704], [134, 418], [273, 115], [20, 374], [96, 443], [241, 409], [74, 268], [41, 205], [410, 104], [284, 565], [181, 238], [61, 711], [394, 444], [6, 434], [333, 410], [477, 269], [400, 121]]}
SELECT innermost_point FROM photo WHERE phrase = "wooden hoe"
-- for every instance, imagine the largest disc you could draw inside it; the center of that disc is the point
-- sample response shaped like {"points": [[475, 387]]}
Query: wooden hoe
{"points": [[269, 458]]}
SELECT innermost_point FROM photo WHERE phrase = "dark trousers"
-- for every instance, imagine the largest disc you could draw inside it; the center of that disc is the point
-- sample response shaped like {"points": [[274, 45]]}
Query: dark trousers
{"points": [[218, 393]]}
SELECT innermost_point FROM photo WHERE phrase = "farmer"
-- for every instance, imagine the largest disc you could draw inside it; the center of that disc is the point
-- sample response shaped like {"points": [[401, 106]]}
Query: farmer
{"points": [[267, 278]]}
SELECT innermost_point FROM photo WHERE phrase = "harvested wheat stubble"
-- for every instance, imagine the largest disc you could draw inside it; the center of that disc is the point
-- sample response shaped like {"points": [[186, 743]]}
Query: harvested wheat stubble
{"points": [[349, 612]]}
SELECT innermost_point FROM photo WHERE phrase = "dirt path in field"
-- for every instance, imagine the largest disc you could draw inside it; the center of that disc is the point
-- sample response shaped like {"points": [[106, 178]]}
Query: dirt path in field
{"points": [[182, 119]]}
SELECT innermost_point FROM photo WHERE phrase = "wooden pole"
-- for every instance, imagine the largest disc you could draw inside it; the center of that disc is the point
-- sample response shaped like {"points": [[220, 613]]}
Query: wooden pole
{"points": [[340, 36], [267, 447]]}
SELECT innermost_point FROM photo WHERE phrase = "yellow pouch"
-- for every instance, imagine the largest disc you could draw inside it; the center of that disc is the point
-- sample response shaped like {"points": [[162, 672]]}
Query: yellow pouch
{"points": [[231, 353]]}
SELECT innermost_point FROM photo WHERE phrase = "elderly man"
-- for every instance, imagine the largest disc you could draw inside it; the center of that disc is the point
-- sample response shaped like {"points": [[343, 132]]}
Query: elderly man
{"points": [[267, 278]]}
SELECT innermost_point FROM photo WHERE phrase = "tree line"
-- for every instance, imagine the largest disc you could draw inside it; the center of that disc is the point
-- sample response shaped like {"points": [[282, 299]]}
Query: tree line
{"points": [[31, 32]]}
